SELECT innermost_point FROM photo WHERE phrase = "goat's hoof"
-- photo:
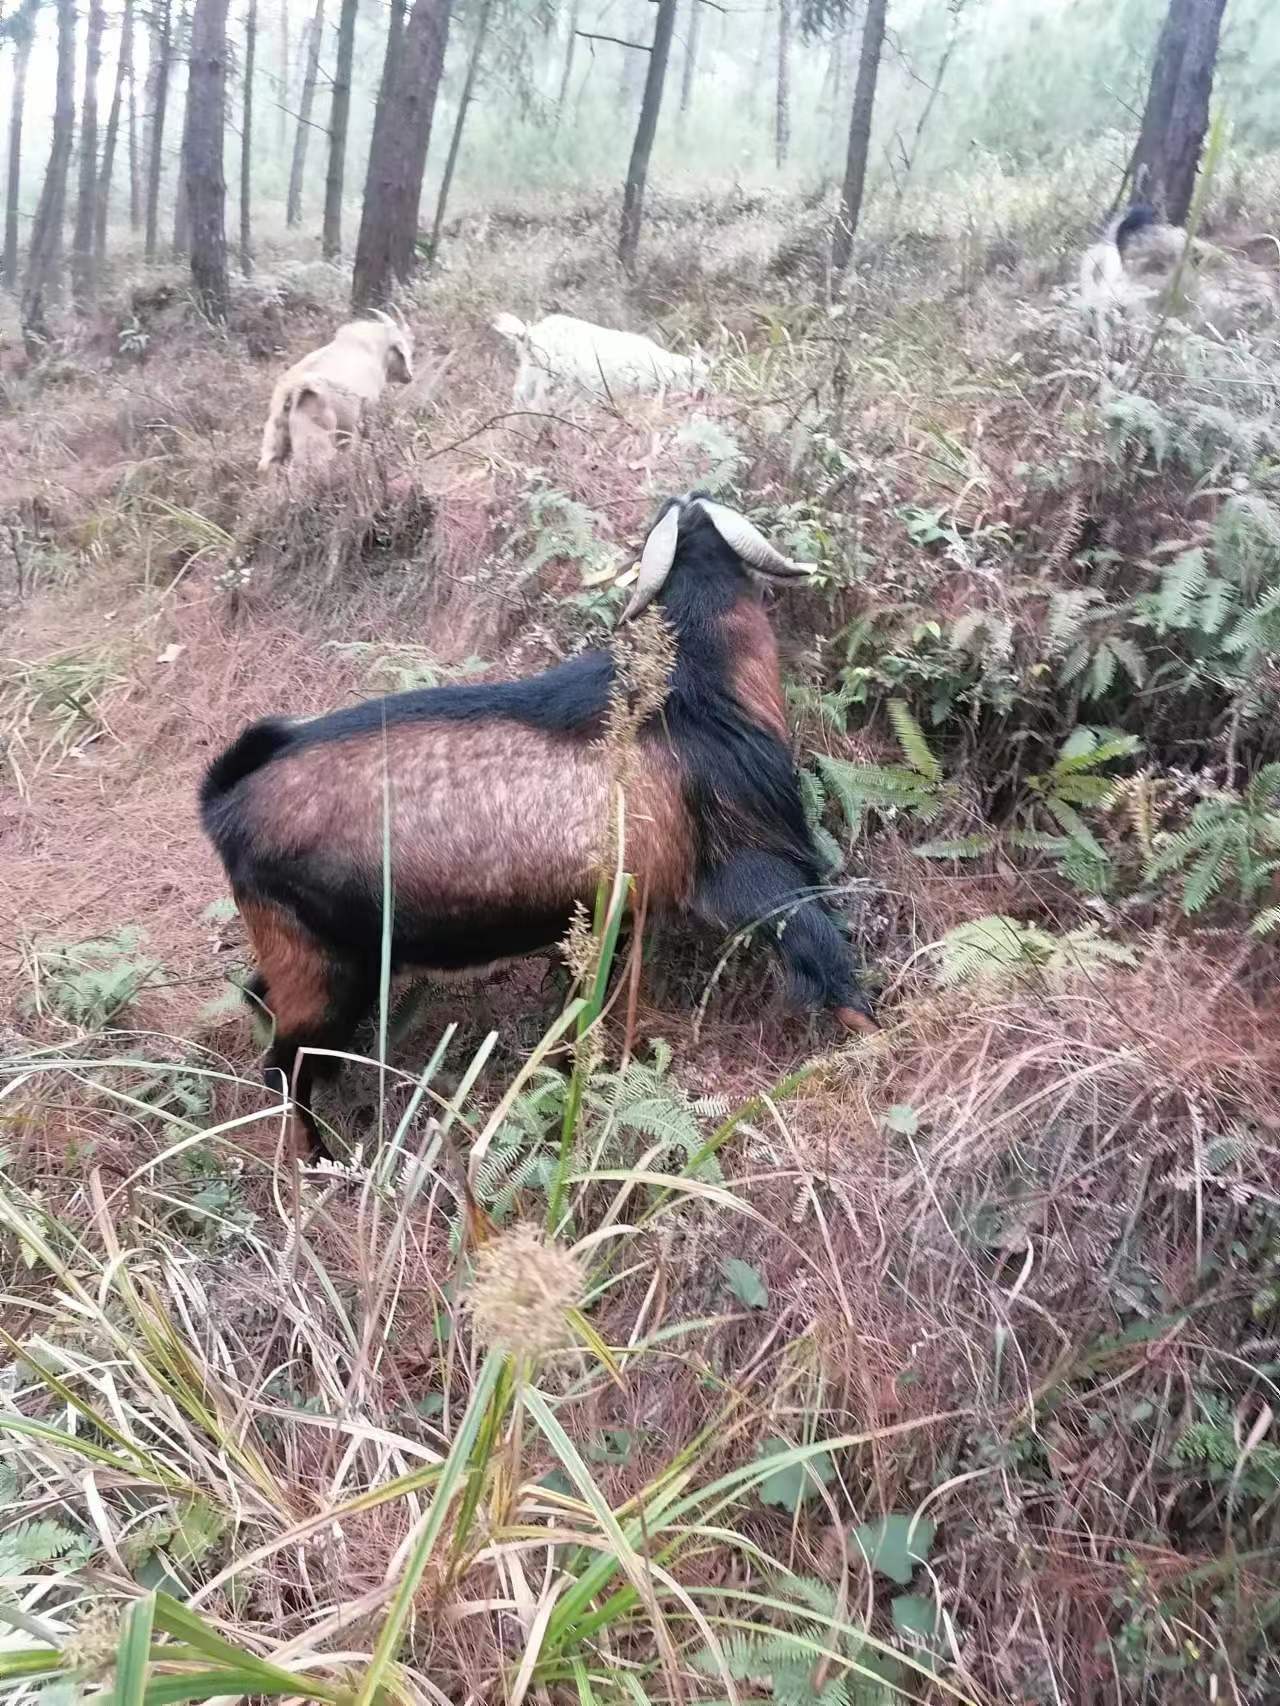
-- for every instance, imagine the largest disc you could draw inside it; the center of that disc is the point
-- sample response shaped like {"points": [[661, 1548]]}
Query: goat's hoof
{"points": [[853, 1020]]}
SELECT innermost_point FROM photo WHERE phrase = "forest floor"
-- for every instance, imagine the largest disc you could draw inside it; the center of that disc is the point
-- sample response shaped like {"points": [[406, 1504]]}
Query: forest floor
{"points": [[940, 1365]]}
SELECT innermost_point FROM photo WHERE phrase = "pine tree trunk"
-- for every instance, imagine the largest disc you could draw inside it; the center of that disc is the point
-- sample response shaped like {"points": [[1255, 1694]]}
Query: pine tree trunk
{"points": [[455, 141], [864, 101], [83, 283], [339, 117], [757, 66], [570, 48], [45, 258], [312, 36], [246, 139], [156, 97], [398, 151], [282, 116], [22, 58], [202, 156], [782, 111], [646, 130], [181, 199], [436, 19], [369, 241], [690, 56], [135, 179], [124, 73], [1177, 112]]}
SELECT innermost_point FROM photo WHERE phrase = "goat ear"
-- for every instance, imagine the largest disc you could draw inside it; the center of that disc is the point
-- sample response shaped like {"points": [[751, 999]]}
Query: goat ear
{"points": [[655, 562]]}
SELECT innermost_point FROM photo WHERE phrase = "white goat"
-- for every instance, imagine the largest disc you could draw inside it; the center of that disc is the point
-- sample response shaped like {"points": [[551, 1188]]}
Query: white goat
{"points": [[1222, 286], [561, 353], [320, 402]]}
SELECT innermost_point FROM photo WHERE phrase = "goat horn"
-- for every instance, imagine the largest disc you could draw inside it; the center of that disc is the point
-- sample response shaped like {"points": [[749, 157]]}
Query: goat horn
{"points": [[751, 545], [655, 562], [379, 315]]}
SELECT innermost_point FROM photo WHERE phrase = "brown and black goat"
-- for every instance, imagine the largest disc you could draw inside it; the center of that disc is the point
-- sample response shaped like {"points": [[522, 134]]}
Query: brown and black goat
{"points": [[495, 802]]}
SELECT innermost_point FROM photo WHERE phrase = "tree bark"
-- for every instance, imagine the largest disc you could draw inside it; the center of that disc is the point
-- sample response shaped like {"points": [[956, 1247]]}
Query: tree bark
{"points": [[282, 116], [690, 70], [124, 73], [455, 141], [135, 180], [1176, 117], [45, 258], [246, 139], [202, 156], [24, 29], [181, 201], [437, 18], [864, 101], [757, 65], [646, 130], [782, 110], [570, 48], [156, 97], [339, 118], [398, 151], [83, 283], [312, 36]]}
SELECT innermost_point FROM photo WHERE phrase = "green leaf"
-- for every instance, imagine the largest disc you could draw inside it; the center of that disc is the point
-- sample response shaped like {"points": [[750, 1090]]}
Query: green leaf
{"points": [[963, 847], [133, 1652], [911, 738], [895, 1544], [745, 1283], [901, 1118], [913, 1614], [790, 1487]]}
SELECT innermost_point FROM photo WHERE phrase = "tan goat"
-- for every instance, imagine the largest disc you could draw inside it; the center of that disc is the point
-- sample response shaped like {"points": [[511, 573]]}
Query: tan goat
{"points": [[321, 401]]}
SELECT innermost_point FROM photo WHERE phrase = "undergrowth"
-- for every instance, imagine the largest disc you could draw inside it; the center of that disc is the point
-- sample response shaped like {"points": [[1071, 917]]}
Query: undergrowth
{"points": [[738, 1365]]}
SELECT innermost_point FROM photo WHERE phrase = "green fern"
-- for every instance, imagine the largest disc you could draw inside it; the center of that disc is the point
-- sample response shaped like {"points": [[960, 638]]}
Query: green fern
{"points": [[29, 1548], [999, 951], [642, 1111], [779, 1660], [1213, 1443], [1133, 423], [1084, 638], [1231, 843], [915, 788], [91, 983]]}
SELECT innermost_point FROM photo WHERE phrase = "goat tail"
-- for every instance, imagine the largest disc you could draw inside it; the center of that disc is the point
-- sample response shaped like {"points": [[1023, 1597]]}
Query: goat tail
{"points": [[275, 439], [1101, 272], [510, 327], [249, 752]]}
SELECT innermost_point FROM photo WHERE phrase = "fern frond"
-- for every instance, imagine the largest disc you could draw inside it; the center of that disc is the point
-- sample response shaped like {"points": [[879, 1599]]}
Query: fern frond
{"points": [[1205, 878], [911, 738], [1102, 671], [963, 847]]}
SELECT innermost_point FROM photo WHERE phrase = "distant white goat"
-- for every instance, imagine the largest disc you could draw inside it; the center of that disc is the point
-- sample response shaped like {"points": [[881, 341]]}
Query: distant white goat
{"points": [[1222, 284], [320, 402], [1117, 273], [560, 353]]}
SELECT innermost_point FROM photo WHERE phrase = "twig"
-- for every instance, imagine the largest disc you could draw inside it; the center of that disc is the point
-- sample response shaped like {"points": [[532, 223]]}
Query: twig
{"points": [[496, 420], [633, 977], [590, 35]]}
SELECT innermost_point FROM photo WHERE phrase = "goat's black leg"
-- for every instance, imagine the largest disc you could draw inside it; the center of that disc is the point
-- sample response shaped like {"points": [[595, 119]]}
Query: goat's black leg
{"points": [[292, 1064], [772, 896]]}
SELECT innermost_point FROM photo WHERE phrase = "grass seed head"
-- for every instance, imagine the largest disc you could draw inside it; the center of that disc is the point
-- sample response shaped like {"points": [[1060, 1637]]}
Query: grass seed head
{"points": [[522, 1291], [91, 1650]]}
